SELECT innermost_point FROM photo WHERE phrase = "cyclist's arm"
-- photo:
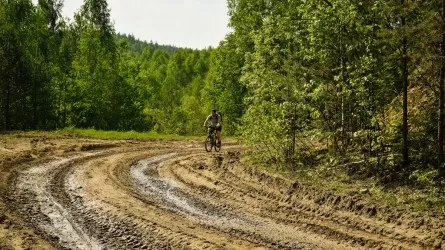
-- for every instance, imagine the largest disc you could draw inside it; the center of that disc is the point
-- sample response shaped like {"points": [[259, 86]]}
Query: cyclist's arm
{"points": [[205, 123], [219, 120]]}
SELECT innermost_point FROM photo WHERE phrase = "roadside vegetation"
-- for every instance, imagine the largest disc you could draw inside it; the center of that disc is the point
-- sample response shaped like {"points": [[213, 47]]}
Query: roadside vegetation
{"points": [[344, 93], [92, 133], [419, 193], [120, 135]]}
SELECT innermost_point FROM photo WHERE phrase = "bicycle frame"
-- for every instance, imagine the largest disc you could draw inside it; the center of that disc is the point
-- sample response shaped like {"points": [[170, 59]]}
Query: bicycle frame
{"points": [[212, 138]]}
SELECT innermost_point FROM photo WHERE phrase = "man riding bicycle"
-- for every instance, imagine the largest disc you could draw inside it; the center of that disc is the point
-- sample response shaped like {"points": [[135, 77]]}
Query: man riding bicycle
{"points": [[216, 121]]}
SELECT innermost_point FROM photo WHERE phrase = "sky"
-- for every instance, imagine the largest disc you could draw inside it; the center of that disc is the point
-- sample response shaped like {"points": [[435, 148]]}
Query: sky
{"points": [[193, 24]]}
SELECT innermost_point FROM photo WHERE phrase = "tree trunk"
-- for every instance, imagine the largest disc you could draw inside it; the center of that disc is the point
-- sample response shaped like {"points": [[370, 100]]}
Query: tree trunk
{"points": [[294, 129], [441, 124], [405, 94], [34, 105], [7, 100]]}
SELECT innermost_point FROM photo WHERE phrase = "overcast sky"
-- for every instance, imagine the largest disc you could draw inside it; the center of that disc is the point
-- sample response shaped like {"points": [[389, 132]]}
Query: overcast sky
{"points": [[183, 23]]}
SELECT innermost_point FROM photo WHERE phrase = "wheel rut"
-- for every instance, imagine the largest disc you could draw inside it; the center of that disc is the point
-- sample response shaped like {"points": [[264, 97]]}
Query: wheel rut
{"points": [[34, 192], [157, 195]]}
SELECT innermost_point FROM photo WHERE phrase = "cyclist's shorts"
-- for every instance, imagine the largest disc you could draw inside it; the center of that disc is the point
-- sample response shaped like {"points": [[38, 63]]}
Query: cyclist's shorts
{"points": [[219, 128]]}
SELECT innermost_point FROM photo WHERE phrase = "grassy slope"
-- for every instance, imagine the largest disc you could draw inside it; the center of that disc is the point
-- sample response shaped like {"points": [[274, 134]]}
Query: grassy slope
{"points": [[335, 178]]}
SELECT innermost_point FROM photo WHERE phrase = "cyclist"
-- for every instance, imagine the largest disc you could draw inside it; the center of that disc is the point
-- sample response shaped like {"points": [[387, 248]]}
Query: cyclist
{"points": [[216, 121]]}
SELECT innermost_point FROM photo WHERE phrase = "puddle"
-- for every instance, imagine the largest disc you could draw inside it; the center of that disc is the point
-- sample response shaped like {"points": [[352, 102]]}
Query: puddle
{"points": [[169, 192], [162, 188]]}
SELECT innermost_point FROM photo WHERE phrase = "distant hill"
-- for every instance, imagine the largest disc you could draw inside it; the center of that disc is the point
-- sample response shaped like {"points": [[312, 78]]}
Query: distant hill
{"points": [[137, 45]]}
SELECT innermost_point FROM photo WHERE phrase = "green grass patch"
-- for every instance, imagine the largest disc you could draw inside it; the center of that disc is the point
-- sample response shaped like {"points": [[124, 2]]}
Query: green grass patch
{"points": [[92, 133], [120, 135]]}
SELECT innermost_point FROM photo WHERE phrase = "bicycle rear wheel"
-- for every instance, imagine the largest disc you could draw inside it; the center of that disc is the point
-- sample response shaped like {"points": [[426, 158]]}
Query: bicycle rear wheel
{"points": [[209, 144]]}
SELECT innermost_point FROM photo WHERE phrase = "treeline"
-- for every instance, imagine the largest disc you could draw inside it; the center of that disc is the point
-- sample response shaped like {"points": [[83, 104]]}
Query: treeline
{"points": [[359, 80], [56, 73], [136, 45], [305, 81]]}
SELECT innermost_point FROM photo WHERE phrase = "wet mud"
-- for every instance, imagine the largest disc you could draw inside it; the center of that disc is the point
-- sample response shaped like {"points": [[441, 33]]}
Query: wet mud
{"points": [[169, 194]]}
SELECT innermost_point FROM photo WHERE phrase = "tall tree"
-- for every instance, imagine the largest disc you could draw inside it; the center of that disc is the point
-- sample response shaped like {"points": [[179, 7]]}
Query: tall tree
{"points": [[95, 66], [23, 80], [404, 70], [441, 125], [97, 13]]}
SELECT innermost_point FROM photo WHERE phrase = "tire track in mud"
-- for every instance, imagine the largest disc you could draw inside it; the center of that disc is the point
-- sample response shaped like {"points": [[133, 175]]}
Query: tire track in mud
{"points": [[247, 194], [147, 179], [51, 203], [170, 198], [75, 220], [115, 228], [33, 190], [159, 197]]}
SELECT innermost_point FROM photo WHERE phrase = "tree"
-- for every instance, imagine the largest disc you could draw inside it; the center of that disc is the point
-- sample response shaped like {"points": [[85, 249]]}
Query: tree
{"points": [[404, 70], [441, 124], [97, 14], [23, 71], [95, 67], [223, 89]]}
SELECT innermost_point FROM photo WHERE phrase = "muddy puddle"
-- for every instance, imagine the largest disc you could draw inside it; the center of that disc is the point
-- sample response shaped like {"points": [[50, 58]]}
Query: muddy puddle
{"points": [[54, 218]]}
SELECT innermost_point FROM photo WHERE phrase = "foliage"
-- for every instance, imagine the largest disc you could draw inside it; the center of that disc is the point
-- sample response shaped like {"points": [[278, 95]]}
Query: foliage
{"points": [[57, 73], [334, 69], [291, 75], [137, 46]]}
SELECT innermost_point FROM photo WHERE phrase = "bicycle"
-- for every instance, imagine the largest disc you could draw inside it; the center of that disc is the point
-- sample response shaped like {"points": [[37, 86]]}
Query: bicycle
{"points": [[211, 140]]}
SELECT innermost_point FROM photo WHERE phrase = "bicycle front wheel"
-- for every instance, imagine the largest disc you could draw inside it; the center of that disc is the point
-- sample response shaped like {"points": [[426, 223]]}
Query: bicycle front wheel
{"points": [[217, 146], [209, 144]]}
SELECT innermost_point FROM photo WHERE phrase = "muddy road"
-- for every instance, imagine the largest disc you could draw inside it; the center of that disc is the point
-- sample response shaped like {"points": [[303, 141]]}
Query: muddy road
{"points": [[62, 193]]}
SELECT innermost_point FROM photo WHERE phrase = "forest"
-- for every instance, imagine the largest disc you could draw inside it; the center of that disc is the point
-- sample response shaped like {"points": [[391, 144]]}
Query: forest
{"points": [[305, 82]]}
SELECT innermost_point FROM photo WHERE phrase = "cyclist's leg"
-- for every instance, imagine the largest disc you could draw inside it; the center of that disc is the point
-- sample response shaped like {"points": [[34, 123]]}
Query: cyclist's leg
{"points": [[218, 134]]}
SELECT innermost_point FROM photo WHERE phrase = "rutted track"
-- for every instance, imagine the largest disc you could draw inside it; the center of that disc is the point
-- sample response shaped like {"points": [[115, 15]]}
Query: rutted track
{"points": [[51, 216], [170, 195]]}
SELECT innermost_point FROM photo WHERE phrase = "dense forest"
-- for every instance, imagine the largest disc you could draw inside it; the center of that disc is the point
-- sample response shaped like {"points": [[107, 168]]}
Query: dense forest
{"points": [[304, 81], [340, 80], [57, 73], [136, 45]]}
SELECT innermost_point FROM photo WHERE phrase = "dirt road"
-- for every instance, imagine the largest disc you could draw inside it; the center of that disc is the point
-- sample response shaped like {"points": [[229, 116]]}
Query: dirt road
{"points": [[61, 193]]}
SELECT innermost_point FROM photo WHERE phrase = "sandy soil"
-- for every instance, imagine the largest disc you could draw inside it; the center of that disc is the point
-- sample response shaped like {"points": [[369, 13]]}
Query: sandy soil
{"points": [[71, 193]]}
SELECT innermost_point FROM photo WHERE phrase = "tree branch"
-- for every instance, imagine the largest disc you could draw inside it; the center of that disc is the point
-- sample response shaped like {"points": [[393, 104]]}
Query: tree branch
{"points": [[328, 3]]}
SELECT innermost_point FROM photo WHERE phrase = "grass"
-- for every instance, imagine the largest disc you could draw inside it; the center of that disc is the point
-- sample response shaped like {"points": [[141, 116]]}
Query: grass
{"points": [[328, 177], [95, 134], [120, 135]]}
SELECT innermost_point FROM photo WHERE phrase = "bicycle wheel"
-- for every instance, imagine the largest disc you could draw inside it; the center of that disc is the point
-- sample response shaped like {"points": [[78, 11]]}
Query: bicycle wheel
{"points": [[209, 143], [217, 146]]}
